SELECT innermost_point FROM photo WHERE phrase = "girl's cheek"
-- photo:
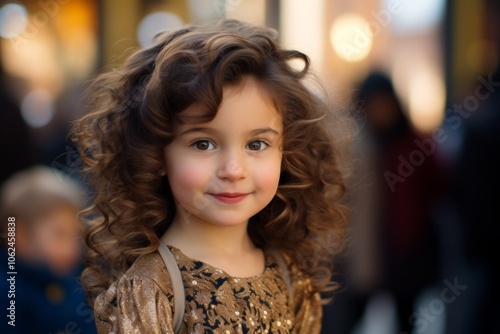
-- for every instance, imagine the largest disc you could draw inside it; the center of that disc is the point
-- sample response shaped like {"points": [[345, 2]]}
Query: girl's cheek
{"points": [[191, 176], [267, 175], [189, 185]]}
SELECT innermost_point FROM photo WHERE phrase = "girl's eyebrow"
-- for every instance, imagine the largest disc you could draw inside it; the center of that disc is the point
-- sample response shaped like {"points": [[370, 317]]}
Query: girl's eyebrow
{"points": [[264, 130], [254, 132], [199, 129]]}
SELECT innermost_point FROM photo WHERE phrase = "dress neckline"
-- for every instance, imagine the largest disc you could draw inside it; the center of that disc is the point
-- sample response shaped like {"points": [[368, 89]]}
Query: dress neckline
{"points": [[268, 263]]}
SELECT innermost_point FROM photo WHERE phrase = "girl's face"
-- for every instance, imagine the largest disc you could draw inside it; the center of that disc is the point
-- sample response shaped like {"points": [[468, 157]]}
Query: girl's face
{"points": [[224, 171]]}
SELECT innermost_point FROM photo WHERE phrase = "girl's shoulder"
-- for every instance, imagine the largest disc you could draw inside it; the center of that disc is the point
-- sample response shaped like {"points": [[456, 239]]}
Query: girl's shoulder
{"points": [[146, 270], [150, 268], [144, 289]]}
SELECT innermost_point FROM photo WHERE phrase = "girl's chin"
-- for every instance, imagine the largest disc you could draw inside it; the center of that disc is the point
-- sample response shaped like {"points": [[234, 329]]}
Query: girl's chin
{"points": [[225, 221], [228, 223]]}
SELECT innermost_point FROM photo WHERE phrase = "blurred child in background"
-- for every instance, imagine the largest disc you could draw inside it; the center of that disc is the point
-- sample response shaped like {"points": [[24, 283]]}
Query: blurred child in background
{"points": [[48, 297]]}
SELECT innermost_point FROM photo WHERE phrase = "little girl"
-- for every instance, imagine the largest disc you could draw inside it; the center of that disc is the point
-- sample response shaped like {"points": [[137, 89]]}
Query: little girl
{"points": [[217, 188]]}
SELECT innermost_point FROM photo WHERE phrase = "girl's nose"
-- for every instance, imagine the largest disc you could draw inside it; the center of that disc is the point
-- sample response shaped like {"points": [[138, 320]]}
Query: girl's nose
{"points": [[232, 167]]}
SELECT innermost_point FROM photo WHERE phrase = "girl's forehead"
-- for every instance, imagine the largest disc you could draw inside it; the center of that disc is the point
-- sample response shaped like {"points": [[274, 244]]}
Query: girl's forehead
{"points": [[247, 85], [244, 106]]}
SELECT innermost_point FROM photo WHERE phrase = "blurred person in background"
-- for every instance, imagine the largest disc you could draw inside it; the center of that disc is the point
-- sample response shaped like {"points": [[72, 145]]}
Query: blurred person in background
{"points": [[15, 144], [476, 187], [393, 245], [48, 296]]}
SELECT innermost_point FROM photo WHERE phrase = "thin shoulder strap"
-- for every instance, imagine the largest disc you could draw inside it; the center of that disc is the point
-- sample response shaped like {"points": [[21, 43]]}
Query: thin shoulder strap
{"points": [[178, 286], [284, 271]]}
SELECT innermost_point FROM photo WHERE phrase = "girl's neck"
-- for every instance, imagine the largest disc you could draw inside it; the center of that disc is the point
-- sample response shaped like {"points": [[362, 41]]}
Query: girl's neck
{"points": [[225, 247], [197, 236]]}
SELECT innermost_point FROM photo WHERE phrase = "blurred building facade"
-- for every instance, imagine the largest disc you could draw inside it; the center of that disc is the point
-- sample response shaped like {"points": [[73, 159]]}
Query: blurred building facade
{"points": [[429, 48]]}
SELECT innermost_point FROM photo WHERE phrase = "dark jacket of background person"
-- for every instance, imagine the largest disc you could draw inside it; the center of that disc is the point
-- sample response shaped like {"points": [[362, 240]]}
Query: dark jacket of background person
{"points": [[45, 303]]}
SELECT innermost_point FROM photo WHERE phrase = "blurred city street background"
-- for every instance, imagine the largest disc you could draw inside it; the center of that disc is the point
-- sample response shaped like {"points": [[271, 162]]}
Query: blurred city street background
{"points": [[421, 80]]}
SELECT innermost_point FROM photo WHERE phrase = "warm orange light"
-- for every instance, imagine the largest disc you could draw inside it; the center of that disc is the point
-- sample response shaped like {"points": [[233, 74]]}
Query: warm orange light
{"points": [[426, 99]]}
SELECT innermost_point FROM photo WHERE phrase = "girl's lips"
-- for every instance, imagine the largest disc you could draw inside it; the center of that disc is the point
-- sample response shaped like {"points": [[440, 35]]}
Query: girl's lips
{"points": [[229, 198]]}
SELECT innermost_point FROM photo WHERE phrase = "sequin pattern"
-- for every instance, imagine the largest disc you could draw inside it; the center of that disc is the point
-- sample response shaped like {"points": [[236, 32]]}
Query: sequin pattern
{"points": [[142, 300]]}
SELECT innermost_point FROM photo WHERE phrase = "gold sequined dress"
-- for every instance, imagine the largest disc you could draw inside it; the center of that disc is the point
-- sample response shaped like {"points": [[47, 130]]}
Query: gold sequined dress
{"points": [[141, 301]]}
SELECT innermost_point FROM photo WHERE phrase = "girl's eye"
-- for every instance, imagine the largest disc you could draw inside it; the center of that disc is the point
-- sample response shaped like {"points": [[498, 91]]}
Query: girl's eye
{"points": [[257, 145], [203, 145]]}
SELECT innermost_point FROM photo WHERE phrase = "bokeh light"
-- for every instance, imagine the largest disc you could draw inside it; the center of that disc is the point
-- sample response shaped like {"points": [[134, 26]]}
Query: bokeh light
{"points": [[351, 37], [155, 23], [37, 108], [416, 16], [426, 99], [13, 20]]}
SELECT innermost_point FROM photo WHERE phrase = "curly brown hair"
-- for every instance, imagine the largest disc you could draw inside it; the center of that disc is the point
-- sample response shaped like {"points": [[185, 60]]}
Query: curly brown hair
{"points": [[133, 114]]}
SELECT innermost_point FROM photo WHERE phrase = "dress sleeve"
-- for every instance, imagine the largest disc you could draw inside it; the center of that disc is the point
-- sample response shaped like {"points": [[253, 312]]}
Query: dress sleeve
{"points": [[308, 308], [133, 305]]}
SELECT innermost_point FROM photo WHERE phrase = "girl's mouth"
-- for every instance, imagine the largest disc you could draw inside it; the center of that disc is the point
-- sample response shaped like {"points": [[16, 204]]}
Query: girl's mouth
{"points": [[229, 198]]}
